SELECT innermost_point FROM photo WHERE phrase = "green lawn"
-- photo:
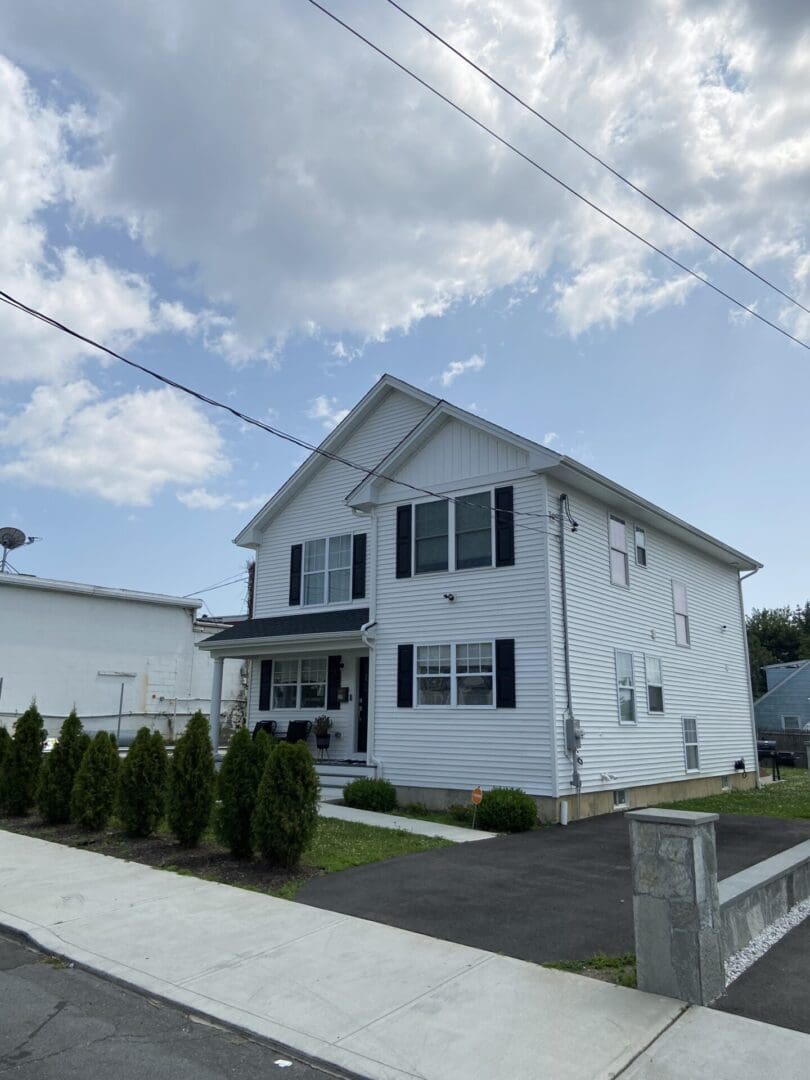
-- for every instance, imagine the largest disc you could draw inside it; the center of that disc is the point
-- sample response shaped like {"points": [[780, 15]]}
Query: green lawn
{"points": [[441, 817], [620, 970], [788, 799], [340, 844]]}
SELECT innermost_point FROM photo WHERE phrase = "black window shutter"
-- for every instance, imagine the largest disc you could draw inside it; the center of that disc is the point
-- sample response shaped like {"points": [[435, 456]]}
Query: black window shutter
{"points": [[333, 682], [265, 683], [296, 554], [404, 519], [504, 527], [505, 673], [359, 566], [405, 676]]}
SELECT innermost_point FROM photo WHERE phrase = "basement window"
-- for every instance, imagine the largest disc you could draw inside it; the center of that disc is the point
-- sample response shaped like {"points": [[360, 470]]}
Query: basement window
{"points": [[619, 799]]}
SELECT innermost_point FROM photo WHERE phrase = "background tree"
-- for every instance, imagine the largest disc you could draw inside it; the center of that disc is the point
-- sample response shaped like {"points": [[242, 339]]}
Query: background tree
{"points": [[191, 782], [238, 785], [142, 784], [22, 762], [776, 636], [59, 769], [286, 813], [93, 798]]}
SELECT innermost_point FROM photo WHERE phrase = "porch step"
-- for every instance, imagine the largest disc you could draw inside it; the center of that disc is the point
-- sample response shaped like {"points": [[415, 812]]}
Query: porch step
{"points": [[337, 775]]}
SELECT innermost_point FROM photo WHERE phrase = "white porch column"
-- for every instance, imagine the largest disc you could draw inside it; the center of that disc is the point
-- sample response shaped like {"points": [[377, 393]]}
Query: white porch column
{"points": [[216, 701]]}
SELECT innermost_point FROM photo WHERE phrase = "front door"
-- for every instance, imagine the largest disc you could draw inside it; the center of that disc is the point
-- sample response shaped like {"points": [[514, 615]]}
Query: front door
{"points": [[362, 705]]}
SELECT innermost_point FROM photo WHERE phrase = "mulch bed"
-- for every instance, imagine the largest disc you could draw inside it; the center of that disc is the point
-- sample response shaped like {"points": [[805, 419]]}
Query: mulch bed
{"points": [[210, 860]]}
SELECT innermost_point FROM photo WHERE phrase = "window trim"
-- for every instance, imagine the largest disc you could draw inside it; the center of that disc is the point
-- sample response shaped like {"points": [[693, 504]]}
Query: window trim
{"points": [[325, 602], [696, 744], [453, 673], [625, 652], [298, 707], [684, 614], [640, 529], [452, 568], [648, 684], [619, 584], [792, 716]]}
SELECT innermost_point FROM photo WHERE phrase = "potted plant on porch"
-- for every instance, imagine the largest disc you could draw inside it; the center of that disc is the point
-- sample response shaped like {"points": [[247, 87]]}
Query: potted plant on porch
{"points": [[323, 726]]}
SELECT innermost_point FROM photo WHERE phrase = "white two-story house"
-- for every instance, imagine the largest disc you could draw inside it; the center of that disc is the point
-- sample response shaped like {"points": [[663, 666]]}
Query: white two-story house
{"points": [[472, 608]]}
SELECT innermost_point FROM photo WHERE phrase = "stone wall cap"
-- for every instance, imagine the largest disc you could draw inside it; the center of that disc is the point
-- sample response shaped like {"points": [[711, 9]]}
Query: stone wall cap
{"points": [[672, 817]]}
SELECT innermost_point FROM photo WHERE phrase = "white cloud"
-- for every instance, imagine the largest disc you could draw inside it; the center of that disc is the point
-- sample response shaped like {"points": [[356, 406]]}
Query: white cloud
{"points": [[125, 449], [339, 199], [203, 499], [459, 367], [326, 410], [550, 438]]}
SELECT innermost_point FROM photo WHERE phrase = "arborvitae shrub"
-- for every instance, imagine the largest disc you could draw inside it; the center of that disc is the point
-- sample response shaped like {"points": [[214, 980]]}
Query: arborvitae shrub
{"points": [[142, 784], [287, 804], [5, 746], [238, 784], [191, 782], [264, 743], [22, 762], [367, 794], [507, 810], [59, 769], [93, 798]]}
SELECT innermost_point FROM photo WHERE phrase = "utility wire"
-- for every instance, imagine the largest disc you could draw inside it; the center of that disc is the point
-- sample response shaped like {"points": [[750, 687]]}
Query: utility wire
{"points": [[13, 302], [217, 585], [595, 157], [551, 176]]}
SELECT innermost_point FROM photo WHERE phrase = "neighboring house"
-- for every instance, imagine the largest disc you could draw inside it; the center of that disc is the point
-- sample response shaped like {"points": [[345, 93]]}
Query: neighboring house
{"points": [[786, 704], [67, 644], [442, 636]]}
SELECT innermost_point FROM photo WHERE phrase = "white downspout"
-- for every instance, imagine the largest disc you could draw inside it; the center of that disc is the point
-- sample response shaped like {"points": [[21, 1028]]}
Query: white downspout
{"points": [[746, 654], [371, 758]]}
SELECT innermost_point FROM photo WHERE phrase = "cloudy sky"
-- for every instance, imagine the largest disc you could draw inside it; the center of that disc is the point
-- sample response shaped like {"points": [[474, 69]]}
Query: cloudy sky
{"points": [[253, 202]]}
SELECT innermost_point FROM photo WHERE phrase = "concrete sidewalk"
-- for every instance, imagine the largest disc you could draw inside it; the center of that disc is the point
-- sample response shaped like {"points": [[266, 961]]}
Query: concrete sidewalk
{"points": [[371, 1000], [456, 833]]}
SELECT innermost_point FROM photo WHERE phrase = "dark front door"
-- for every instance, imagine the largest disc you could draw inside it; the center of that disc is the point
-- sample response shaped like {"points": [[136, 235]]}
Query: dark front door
{"points": [[362, 705]]}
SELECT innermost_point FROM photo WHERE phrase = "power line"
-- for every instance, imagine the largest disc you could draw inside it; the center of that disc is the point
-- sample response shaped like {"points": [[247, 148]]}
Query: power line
{"points": [[551, 176], [595, 157], [13, 302], [217, 585]]}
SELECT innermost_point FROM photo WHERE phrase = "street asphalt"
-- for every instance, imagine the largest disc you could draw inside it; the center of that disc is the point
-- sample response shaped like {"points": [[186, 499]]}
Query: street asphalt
{"points": [[551, 894], [60, 1023]]}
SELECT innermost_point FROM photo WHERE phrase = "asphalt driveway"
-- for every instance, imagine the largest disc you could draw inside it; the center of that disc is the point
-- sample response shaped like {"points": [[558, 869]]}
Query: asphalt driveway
{"points": [[550, 894]]}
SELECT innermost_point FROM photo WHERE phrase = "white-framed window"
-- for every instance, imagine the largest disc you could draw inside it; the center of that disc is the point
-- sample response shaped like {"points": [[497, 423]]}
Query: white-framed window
{"points": [[299, 683], [430, 536], [617, 531], [625, 687], [655, 684], [640, 542], [681, 611], [327, 570], [619, 799], [455, 674], [690, 744], [474, 522], [790, 723]]}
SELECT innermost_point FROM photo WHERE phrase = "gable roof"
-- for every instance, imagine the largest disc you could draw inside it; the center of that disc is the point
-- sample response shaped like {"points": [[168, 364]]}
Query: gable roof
{"points": [[541, 459], [801, 665]]}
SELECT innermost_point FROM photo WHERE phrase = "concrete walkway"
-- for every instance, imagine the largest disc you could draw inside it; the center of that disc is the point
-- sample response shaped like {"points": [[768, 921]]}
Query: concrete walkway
{"points": [[455, 833], [375, 1001]]}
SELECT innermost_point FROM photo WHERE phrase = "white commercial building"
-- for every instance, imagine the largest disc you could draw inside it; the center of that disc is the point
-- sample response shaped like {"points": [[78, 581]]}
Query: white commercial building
{"points": [[95, 648]]}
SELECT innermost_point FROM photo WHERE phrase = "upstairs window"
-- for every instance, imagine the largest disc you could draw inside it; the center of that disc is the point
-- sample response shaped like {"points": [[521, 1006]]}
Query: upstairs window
{"points": [[468, 531], [655, 684], [474, 530], [619, 572], [681, 610], [690, 744], [430, 536], [625, 687], [641, 546]]}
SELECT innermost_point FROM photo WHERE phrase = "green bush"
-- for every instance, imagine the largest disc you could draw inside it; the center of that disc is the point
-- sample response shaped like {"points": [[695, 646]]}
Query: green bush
{"points": [[376, 795], [264, 743], [507, 810], [93, 798], [287, 804], [5, 746], [461, 812], [191, 782], [238, 785], [59, 769], [142, 784], [22, 762]]}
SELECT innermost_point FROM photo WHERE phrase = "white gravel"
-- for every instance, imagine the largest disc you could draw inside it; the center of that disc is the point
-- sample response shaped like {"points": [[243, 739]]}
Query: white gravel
{"points": [[741, 961]]}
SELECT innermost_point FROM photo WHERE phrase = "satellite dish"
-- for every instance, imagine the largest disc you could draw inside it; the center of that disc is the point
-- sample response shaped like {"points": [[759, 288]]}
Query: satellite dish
{"points": [[11, 538]]}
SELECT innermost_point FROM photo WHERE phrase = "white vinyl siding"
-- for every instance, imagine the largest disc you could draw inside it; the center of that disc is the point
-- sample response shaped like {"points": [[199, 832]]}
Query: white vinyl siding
{"points": [[625, 687], [655, 684], [690, 744], [681, 613], [617, 533]]}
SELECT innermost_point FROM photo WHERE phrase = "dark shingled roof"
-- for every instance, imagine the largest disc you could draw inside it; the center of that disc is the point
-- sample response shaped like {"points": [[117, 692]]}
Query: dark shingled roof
{"points": [[318, 622]]}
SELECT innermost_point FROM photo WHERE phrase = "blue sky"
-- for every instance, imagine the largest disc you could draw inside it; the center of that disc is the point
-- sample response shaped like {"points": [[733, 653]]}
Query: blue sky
{"points": [[282, 258]]}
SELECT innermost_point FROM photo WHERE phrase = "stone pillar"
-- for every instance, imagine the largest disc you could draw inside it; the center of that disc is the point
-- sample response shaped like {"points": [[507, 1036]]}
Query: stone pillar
{"points": [[216, 702], [675, 904]]}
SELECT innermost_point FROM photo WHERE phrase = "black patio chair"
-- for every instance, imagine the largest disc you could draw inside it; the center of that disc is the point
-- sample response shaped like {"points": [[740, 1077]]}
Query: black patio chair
{"points": [[298, 730], [270, 726]]}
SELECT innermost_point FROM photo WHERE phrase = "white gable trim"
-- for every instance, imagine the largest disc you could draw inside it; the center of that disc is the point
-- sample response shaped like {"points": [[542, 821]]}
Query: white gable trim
{"points": [[250, 536]]}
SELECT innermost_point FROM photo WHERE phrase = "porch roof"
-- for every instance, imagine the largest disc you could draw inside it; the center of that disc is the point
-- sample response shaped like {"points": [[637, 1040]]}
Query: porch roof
{"points": [[342, 621]]}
